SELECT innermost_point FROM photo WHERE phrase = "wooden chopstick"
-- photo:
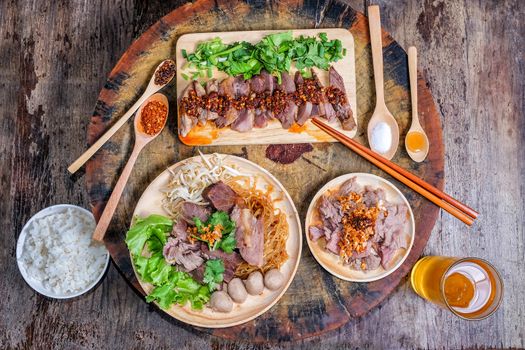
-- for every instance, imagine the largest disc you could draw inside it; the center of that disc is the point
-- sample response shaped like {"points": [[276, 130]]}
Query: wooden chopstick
{"points": [[441, 199]]}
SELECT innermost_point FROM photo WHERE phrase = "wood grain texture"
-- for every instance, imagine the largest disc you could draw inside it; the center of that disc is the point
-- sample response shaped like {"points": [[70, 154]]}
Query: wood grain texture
{"points": [[331, 302], [55, 58]]}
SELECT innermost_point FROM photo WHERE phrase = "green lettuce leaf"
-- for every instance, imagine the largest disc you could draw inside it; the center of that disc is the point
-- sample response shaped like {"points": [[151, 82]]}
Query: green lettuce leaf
{"points": [[170, 285]]}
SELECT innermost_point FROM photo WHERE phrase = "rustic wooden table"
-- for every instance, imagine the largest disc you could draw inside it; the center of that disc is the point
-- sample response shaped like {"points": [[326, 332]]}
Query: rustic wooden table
{"points": [[55, 58]]}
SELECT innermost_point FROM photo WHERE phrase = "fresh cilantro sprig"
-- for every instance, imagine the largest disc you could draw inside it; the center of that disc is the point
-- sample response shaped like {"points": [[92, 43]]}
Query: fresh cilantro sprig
{"points": [[275, 53], [227, 242], [213, 274]]}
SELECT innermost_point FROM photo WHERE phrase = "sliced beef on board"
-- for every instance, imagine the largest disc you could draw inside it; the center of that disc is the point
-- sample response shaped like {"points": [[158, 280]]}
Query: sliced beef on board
{"points": [[304, 110], [245, 120], [191, 210], [342, 109], [226, 89], [221, 196], [179, 251], [258, 86], [212, 90], [288, 115], [187, 122], [249, 235], [202, 113], [325, 108]]}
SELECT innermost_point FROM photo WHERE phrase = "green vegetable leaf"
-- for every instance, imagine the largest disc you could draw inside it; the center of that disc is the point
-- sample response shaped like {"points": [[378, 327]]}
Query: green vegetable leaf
{"points": [[142, 230], [213, 274], [171, 286]]}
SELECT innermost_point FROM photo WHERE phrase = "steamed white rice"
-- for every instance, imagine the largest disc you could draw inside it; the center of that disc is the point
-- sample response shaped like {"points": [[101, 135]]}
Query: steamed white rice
{"points": [[59, 253]]}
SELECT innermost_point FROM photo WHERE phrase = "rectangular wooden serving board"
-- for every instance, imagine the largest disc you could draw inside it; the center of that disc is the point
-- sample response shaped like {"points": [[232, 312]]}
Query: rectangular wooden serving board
{"points": [[273, 133]]}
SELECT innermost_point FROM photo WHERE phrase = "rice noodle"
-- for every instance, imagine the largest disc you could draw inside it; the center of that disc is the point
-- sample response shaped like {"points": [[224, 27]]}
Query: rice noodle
{"points": [[274, 222]]}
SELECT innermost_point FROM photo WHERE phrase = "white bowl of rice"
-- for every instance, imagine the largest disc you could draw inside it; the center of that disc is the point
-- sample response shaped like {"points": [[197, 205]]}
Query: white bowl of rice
{"points": [[56, 255]]}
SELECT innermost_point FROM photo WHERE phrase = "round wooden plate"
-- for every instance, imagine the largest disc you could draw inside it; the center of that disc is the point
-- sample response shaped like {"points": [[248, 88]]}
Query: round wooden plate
{"points": [[329, 302], [151, 203], [330, 261]]}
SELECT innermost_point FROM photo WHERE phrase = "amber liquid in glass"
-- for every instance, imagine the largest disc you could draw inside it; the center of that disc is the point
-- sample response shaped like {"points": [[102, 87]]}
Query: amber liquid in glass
{"points": [[466, 286]]}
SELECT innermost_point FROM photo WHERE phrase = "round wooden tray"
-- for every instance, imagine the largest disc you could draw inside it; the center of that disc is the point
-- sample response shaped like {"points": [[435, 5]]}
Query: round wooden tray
{"points": [[316, 302]]}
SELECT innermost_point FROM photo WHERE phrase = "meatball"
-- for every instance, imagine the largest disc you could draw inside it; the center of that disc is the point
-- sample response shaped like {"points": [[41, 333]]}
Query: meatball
{"points": [[254, 283], [273, 279], [220, 301], [237, 291]]}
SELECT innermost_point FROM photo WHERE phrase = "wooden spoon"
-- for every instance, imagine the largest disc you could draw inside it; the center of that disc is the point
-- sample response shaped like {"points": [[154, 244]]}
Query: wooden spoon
{"points": [[150, 90], [416, 136], [141, 140], [381, 115]]}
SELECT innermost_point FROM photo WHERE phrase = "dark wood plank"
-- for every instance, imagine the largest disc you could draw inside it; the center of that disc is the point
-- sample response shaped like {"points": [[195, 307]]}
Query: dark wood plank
{"points": [[469, 52]]}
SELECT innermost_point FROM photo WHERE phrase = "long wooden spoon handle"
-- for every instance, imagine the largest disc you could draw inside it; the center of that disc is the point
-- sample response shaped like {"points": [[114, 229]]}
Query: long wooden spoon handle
{"points": [[107, 135], [111, 205], [374, 22], [412, 72]]}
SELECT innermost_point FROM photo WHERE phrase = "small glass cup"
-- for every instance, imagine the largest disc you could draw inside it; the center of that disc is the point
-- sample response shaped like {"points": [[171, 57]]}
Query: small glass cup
{"points": [[469, 287]]}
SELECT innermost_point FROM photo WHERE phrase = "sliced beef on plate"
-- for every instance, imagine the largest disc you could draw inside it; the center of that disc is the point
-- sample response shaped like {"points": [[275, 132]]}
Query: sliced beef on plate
{"points": [[394, 226], [202, 113], [212, 89], [187, 122], [333, 243], [249, 235], [372, 262], [372, 196], [245, 121], [316, 232], [331, 214], [386, 255], [230, 261], [179, 251], [348, 186], [342, 109], [191, 210], [220, 196], [226, 89]]}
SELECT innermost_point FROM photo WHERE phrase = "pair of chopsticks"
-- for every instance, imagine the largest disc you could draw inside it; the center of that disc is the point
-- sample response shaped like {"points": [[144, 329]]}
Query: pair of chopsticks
{"points": [[441, 199]]}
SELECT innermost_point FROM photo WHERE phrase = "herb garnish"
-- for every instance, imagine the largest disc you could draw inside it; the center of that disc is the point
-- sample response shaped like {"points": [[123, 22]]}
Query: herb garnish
{"points": [[218, 232], [213, 274], [275, 53]]}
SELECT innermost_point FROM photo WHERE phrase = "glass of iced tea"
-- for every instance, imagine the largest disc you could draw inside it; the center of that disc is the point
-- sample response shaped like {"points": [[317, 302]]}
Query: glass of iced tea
{"points": [[470, 287]]}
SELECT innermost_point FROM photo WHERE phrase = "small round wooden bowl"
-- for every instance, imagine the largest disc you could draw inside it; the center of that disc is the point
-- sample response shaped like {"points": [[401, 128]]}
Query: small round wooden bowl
{"points": [[151, 203], [331, 262]]}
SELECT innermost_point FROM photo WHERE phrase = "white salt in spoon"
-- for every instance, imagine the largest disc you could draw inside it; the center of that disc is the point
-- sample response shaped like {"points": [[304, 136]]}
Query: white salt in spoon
{"points": [[383, 131]]}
